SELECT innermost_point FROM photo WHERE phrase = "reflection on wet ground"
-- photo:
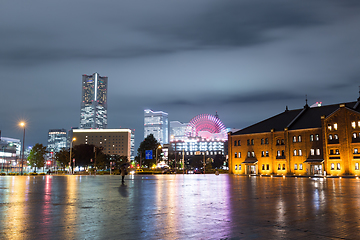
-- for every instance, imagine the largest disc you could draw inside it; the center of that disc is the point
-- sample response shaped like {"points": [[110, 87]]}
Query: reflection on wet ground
{"points": [[178, 207]]}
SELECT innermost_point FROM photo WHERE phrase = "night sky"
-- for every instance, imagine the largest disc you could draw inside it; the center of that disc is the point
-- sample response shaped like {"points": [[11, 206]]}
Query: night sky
{"points": [[245, 59]]}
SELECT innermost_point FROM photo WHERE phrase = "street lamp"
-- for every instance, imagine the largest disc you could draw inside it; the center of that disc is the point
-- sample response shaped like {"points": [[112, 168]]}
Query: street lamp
{"points": [[71, 143], [22, 124], [159, 147]]}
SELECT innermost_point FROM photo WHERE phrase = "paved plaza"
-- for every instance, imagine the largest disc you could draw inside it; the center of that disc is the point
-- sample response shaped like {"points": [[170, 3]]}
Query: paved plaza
{"points": [[178, 207]]}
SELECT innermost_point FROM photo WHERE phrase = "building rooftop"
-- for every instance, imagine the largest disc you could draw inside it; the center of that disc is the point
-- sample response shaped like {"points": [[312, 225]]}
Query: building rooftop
{"points": [[296, 119]]}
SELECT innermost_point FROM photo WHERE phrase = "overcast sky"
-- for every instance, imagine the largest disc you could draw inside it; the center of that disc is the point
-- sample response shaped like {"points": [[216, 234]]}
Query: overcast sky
{"points": [[245, 59]]}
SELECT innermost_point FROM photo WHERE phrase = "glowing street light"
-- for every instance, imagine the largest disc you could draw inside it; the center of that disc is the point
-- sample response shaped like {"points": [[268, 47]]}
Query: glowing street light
{"points": [[22, 124], [159, 147], [71, 143]]}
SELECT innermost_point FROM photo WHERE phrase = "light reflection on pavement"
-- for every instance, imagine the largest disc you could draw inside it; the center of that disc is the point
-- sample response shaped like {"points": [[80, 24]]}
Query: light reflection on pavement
{"points": [[178, 207]]}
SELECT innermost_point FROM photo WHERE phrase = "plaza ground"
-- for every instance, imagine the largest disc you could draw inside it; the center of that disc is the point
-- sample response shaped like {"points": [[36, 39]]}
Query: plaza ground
{"points": [[178, 206]]}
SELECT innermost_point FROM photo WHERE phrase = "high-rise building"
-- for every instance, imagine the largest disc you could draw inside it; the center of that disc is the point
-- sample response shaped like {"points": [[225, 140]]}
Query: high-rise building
{"points": [[57, 139], [132, 145], [93, 102], [156, 123], [177, 130]]}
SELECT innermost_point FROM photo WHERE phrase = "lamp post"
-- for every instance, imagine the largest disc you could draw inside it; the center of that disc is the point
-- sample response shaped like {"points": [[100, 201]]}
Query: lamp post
{"points": [[71, 143], [159, 147], [22, 124]]}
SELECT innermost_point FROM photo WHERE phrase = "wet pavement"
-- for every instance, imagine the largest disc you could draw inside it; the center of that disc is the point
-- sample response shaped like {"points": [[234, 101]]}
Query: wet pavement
{"points": [[178, 207]]}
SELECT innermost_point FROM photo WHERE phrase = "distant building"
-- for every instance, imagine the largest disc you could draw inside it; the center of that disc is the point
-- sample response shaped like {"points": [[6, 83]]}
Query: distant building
{"points": [[93, 113], [8, 153], [156, 123], [308, 141], [113, 141], [177, 130], [205, 134], [132, 145], [57, 139]]}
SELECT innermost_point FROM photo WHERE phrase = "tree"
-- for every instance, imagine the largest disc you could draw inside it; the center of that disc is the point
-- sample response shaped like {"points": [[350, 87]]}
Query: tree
{"points": [[218, 161], [62, 158], [149, 143], [37, 156], [84, 153]]}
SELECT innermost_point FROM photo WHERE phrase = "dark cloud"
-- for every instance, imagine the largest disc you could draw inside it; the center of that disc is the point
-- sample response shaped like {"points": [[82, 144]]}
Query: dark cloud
{"points": [[182, 57]]}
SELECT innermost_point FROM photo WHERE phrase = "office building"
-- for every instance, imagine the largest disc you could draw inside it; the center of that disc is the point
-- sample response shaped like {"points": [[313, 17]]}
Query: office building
{"points": [[177, 130], [57, 139], [93, 113], [323, 140], [156, 123], [113, 141]]}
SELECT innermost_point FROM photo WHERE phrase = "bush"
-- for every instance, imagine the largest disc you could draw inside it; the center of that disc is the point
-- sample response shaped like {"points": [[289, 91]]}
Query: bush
{"points": [[2, 174], [33, 173]]}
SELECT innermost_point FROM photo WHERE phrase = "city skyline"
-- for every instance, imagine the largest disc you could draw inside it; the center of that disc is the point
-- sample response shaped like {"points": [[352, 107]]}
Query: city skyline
{"points": [[246, 60]]}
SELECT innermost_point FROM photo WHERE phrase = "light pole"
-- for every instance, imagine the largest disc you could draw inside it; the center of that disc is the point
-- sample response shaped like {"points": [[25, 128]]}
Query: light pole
{"points": [[22, 124], [71, 143], [159, 147]]}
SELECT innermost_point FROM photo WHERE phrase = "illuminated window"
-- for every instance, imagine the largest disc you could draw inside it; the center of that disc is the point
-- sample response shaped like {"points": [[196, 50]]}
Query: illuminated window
{"points": [[330, 137], [356, 166], [239, 154], [317, 138], [295, 166], [239, 167], [318, 151], [337, 151], [299, 138], [278, 142], [253, 154], [356, 151], [311, 138], [249, 154], [300, 166], [329, 127], [267, 153], [358, 123], [354, 135], [332, 166], [279, 167], [335, 126], [300, 152], [236, 155], [353, 124], [262, 153], [338, 166], [294, 139], [295, 152], [278, 153], [235, 167], [312, 152], [336, 136]]}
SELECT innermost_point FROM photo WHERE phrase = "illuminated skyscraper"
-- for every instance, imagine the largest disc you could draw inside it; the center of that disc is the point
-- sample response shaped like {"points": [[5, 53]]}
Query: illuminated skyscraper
{"points": [[93, 102], [156, 123], [57, 139]]}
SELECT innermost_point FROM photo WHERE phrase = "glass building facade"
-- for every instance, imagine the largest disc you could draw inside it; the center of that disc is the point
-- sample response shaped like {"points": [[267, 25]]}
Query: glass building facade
{"points": [[156, 123], [177, 130], [57, 139], [93, 114]]}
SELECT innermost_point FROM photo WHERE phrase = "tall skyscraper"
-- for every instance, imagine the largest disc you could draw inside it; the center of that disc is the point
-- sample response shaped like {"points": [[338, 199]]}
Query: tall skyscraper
{"points": [[57, 139], [156, 123], [93, 102], [177, 130]]}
